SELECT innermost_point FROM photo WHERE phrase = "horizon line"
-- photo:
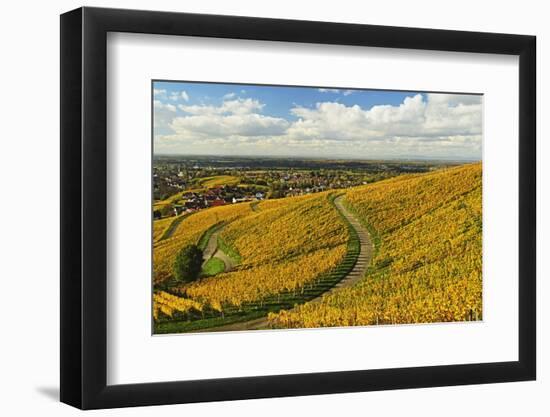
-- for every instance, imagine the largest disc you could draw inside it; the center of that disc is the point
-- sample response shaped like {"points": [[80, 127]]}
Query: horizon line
{"points": [[336, 157]]}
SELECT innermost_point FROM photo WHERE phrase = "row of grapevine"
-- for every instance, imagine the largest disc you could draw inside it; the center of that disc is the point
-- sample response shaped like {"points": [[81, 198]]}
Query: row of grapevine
{"points": [[282, 249], [188, 232], [428, 266], [285, 245]]}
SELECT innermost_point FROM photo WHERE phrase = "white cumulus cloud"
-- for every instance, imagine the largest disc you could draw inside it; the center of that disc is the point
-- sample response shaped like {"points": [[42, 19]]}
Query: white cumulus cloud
{"points": [[239, 106], [220, 126], [233, 120], [335, 91], [179, 95], [164, 106], [329, 90], [421, 125]]}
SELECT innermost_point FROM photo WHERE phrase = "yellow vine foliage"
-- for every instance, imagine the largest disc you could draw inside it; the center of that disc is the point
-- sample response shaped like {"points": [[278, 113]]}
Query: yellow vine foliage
{"points": [[167, 304], [257, 283], [218, 180], [160, 226], [188, 232], [429, 262], [283, 248], [293, 227]]}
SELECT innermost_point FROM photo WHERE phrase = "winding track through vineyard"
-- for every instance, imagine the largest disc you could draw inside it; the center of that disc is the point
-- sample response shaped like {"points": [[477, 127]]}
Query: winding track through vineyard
{"points": [[358, 271], [213, 251], [365, 254], [169, 231]]}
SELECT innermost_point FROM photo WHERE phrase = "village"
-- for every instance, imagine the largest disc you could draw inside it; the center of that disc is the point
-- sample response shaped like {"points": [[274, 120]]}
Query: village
{"points": [[219, 195], [185, 185]]}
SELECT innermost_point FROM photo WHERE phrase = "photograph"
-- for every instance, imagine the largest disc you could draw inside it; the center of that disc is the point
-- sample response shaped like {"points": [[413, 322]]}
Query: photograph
{"points": [[293, 207], [257, 209]]}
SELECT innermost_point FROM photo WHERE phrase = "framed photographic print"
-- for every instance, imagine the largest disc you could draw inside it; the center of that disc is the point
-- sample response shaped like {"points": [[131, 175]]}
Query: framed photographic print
{"points": [[257, 208]]}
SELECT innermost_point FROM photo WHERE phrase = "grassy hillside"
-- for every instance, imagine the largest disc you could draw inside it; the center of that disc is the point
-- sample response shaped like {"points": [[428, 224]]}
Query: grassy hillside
{"points": [[428, 258]]}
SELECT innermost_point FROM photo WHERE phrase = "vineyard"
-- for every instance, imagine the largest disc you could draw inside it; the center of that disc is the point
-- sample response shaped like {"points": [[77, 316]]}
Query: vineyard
{"points": [[289, 251], [219, 180], [160, 227], [428, 261], [426, 265], [190, 230]]}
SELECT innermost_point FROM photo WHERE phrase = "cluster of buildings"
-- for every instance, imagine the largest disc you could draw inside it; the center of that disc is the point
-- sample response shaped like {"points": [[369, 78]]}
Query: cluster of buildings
{"points": [[167, 184], [306, 182], [214, 197]]}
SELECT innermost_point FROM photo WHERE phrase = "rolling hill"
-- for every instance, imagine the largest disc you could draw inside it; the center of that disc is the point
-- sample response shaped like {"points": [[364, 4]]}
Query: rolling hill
{"points": [[290, 257], [428, 258]]}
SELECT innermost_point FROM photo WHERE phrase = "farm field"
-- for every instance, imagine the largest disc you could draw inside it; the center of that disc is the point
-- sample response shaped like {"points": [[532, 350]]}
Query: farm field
{"points": [[218, 180], [401, 250]]}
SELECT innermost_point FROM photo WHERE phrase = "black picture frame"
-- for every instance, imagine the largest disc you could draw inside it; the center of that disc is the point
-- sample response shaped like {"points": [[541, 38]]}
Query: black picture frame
{"points": [[84, 207]]}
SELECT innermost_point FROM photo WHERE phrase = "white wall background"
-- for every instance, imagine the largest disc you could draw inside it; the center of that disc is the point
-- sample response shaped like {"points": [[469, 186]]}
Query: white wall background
{"points": [[29, 220]]}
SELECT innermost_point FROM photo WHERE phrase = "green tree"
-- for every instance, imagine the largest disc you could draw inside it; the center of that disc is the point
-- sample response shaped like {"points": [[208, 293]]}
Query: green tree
{"points": [[187, 265]]}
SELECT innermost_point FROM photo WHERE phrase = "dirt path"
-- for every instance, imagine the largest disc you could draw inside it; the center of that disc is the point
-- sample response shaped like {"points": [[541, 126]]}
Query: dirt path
{"points": [[211, 246], [365, 255], [173, 226], [212, 251], [358, 271], [229, 263]]}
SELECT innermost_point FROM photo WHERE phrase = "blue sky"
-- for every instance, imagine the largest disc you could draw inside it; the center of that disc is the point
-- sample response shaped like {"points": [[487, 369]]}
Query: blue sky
{"points": [[240, 119]]}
